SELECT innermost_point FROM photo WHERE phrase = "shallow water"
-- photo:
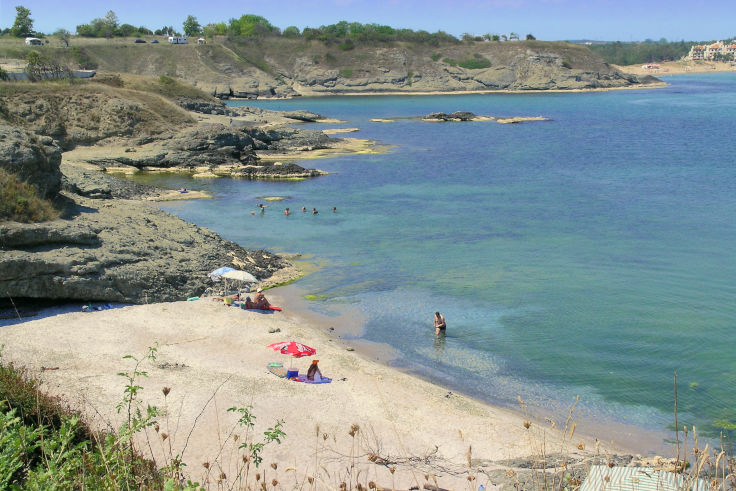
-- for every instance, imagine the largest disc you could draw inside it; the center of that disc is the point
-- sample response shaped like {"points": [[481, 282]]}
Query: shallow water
{"points": [[591, 254]]}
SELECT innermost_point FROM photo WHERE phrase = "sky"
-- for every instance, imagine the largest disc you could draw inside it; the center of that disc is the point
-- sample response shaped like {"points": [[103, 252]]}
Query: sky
{"points": [[606, 20]]}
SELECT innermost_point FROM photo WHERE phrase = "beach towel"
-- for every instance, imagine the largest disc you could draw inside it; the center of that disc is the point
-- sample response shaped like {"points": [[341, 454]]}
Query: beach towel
{"points": [[303, 378]]}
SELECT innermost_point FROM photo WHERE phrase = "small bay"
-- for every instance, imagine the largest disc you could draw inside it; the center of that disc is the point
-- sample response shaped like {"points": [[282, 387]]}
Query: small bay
{"points": [[588, 255]]}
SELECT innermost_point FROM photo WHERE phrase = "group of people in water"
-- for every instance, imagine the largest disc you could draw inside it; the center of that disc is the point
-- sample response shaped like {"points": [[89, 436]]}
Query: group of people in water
{"points": [[287, 211]]}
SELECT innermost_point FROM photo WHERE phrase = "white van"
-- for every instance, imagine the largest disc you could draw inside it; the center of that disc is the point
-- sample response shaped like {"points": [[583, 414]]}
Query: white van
{"points": [[177, 40], [34, 42]]}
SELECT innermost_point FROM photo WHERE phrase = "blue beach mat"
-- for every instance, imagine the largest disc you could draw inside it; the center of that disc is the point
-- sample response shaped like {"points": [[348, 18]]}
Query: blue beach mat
{"points": [[303, 378]]}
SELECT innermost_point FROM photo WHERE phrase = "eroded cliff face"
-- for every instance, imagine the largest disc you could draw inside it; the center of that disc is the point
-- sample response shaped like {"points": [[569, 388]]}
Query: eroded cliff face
{"points": [[33, 158], [280, 67]]}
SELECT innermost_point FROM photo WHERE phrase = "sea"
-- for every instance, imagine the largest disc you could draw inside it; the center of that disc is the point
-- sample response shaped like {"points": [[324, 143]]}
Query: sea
{"points": [[590, 256]]}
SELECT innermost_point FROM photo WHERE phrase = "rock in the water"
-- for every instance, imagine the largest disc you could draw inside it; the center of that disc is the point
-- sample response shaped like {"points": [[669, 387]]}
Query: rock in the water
{"points": [[34, 159], [306, 116], [456, 116]]}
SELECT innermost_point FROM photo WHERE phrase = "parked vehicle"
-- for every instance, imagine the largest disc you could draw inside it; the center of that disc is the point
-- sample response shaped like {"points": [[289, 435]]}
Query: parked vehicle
{"points": [[177, 40]]}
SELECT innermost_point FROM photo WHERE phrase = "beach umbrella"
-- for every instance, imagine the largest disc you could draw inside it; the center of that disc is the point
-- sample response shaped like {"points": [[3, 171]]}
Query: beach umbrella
{"points": [[240, 276], [294, 349], [216, 275]]}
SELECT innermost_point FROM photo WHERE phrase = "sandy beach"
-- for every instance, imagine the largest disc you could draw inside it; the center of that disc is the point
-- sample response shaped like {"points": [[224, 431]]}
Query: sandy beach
{"points": [[215, 357], [679, 67]]}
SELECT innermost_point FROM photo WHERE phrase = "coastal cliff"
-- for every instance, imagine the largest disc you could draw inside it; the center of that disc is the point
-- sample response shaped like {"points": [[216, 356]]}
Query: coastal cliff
{"points": [[282, 67]]}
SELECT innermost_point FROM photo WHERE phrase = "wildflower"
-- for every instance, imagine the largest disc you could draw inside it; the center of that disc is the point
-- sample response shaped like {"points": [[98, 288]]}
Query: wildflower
{"points": [[166, 391]]}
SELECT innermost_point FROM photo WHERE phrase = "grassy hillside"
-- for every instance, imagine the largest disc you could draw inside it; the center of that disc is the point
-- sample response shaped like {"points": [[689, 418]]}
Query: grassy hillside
{"points": [[86, 111], [282, 66]]}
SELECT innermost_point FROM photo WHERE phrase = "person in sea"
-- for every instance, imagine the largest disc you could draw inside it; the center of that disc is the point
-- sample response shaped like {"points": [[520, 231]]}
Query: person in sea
{"points": [[439, 323], [314, 374], [334, 209], [304, 209], [287, 212], [314, 211], [259, 301]]}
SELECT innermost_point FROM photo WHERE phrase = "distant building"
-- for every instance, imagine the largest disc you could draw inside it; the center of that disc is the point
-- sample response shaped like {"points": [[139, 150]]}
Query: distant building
{"points": [[716, 51], [34, 42]]}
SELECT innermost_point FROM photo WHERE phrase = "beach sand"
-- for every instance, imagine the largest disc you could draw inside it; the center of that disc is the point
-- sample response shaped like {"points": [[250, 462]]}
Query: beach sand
{"points": [[679, 68], [214, 357]]}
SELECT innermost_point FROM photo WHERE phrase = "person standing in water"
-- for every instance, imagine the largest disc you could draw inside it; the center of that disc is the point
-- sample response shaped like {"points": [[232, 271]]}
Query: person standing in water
{"points": [[439, 324], [314, 211], [287, 212], [334, 209]]}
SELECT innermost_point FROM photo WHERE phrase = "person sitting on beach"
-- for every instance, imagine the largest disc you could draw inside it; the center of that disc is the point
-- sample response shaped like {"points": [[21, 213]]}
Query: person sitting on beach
{"points": [[439, 323], [314, 211], [259, 301], [287, 212], [314, 374]]}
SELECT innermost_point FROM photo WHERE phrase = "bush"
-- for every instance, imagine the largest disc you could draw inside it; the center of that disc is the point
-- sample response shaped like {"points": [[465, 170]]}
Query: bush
{"points": [[475, 63], [436, 56], [450, 61], [19, 201], [346, 73], [346, 46]]}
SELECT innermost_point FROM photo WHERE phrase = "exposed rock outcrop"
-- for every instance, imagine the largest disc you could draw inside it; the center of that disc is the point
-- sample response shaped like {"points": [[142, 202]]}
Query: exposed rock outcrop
{"points": [[118, 251], [34, 159]]}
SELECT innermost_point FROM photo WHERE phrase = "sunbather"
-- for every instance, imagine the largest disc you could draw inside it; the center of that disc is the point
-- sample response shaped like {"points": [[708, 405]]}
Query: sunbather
{"points": [[314, 374], [259, 301]]}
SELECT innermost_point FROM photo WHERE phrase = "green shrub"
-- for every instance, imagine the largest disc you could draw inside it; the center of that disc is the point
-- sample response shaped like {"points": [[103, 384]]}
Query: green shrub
{"points": [[450, 61], [45, 445], [475, 63], [19, 201], [346, 46], [436, 56], [330, 58], [346, 73]]}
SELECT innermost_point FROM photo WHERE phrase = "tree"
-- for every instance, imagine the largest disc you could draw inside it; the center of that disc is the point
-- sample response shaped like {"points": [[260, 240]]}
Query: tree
{"points": [[191, 26], [110, 23], [495, 37], [63, 35], [530, 37], [23, 25], [291, 32]]}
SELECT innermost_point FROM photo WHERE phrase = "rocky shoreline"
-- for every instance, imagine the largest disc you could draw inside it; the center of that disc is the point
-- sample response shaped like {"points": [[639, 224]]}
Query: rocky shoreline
{"points": [[111, 244]]}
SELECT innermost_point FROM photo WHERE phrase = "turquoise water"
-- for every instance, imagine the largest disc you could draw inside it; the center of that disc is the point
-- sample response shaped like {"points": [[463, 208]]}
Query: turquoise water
{"points": [[592, 254]]}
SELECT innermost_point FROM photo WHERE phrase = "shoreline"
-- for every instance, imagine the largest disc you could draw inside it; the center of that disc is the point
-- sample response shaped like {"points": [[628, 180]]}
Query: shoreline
{"points": [[317, 94], [203, 344]]}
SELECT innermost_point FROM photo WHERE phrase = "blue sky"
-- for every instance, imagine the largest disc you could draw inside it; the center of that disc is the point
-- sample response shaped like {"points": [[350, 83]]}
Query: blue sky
{"points": [[623, 20]]}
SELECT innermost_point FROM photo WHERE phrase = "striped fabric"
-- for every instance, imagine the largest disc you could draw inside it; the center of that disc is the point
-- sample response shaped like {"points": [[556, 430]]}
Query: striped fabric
{"points": [[637, 479]]}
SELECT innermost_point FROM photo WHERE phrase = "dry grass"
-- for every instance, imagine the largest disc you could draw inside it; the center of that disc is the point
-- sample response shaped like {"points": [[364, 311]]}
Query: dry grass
{"points": [[19, 201]]}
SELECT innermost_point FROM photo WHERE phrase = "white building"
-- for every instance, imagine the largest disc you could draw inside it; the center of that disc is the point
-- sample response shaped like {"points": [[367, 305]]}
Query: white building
{"points": [[713, 51]]}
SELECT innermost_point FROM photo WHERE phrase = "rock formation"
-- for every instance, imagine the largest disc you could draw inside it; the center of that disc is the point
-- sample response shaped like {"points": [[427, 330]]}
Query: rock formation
{"points": [[34, 159]]}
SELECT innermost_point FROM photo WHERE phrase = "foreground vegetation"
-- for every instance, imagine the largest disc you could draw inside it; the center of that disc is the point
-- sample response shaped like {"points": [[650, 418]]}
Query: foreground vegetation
{"points": [[19, 201]]}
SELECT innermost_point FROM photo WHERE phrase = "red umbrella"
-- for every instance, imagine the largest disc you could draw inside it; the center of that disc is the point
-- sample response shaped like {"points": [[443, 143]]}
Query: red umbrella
{"points": [[297, 350]]}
